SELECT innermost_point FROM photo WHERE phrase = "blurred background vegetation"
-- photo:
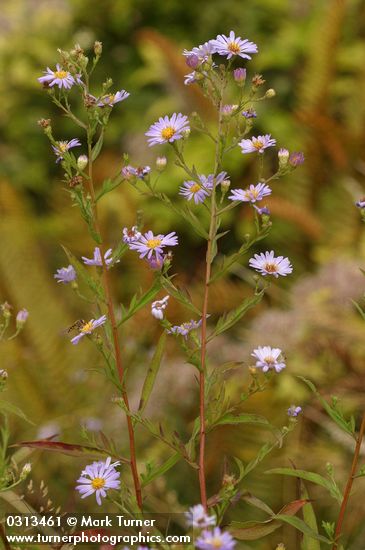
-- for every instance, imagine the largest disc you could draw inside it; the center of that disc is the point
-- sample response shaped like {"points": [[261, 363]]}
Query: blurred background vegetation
{"points": [[312, 53]]}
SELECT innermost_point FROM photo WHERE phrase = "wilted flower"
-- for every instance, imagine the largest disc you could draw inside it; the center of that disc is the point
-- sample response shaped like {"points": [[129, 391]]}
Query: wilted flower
{"points": [[296, 159], [262, 211], [239, 75], [268, 358], [21, 317], [150, 244], [167, 129], [131, 235], [59, 77], [198, 518], [88, 328], [96, 260], [267, 264], [63, 146], [65, 274], [228, 110], [98, 478], [215, 540], [294, 411], [158, 307], [257, 144], [185, 328], [109, 100], [250, 113], [251, 194], [232, 45], [141, 172]]}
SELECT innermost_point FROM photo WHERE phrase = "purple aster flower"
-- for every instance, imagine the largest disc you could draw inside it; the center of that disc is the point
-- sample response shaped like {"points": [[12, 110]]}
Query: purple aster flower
{"points": [[60, 78], [65, 274], [191, 78], [261, 211], [197, 191], [198, 518], [361, 203], [98, 478], [200, 54], [296, 159], [251, 194], [294, 411], [158, 307], [156, 263], [88, 328], [168, 129], [228, 110], [257, 144], [185, 328], [150, 244], [267, 264], [141, 172], [215, 540], [231, 45], [239, 75], [250, 113], [96, 260], [268, 358], [131, 235], [109, 100], [63, 146]]}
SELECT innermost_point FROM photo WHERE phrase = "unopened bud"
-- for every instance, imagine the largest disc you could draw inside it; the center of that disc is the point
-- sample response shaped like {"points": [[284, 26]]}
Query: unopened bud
{"points": [[192, 61], [161, 163], [82, 162], [3, 374], [239, 75], [185, 133], [283, 156], [6, 310], [27, 468], [21, 318], [270, 93], [98, 48]]}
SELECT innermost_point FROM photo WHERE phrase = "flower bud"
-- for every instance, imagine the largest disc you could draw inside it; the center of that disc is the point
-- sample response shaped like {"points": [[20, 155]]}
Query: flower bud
{"points": [[21, 318], [6, 310], [82, 162], [270, 93], [98, 48], [3, 374], [161, 163], [192, 61], [27, 468], [283, 156], [185, 133], [239, 75]]}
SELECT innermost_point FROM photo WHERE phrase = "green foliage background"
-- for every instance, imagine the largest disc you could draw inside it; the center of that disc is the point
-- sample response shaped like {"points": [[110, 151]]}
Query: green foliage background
{"points": [[312, 53]]}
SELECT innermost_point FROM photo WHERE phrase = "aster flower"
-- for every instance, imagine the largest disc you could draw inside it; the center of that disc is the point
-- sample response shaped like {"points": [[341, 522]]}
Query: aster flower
{"points": [[296, 159], [250, 113], [198, 518], [167, 129], [196, 191], [65, 274], [158, 307], [268, 358], [109, 100], [215, 540], [185, 328], [267, 264], [228, 110], [150, 244], [88, 328], [63, 147], [98, 478], [199, 54], [141, 172], [60, 78], [294, 411], [251, 194], [96, 260], [191, 78], [233, 45], [360, 203], [261, 211], [131, 235], [257, 144]]}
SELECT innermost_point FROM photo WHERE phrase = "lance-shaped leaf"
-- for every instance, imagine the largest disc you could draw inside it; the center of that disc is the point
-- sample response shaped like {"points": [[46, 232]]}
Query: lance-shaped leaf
{"points": [[83, 275], [186, 213], [244, 418], [68, 449], [310, 519], [9, 408], [154, 473], [332, 411], [228, 320], [139, 301], [310, 476], [303, 527], [109, 185], [179, 295], [97, 147], [152, 372]]}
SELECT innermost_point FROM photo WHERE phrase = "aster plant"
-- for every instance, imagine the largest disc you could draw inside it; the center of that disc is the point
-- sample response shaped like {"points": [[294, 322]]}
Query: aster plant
{"points": [[202, 201]]}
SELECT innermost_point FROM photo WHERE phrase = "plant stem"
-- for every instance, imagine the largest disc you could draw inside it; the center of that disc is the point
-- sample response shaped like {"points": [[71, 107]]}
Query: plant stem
{"points": [[117, 351], [349, 483]]}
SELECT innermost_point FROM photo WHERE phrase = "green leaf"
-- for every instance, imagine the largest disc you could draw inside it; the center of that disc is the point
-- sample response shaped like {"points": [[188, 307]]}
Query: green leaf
{"points": [[243, 418], [257, 503], [108, 185], [186, 213], [229, 319], [97, 147], [83, 275], [9, 408], [309, 476], [332, 411], [302, 526], [359, 309], [159, 471], [253, 530], [67, 448], [310, 519], [139, 301], [152, 372], [179, 295]]}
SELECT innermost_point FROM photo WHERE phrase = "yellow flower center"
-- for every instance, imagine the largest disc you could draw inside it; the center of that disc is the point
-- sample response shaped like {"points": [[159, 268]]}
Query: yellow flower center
{"points": [[61, 74], [270, 360], [62, 146], [87, 327], [233, 47], [271, 268], [168, 132], [109, 98], [195, 188], [216, 542], [98, 483], [258, 144], [153, 243]]}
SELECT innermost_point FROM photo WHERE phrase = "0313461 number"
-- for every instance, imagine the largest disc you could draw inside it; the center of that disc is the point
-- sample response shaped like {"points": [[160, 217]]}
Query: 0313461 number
{"points": [[26, 520]]}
